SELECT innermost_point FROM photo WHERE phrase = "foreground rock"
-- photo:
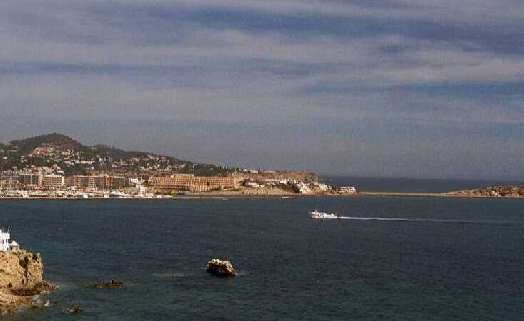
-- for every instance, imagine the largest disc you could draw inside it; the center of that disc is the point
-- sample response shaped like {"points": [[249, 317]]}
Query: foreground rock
{"points": [[21, 279], [221, 268]]}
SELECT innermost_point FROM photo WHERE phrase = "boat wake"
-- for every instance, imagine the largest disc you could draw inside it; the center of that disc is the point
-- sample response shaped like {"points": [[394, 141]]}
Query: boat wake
{"points": [[169, 275], [424, 220]]}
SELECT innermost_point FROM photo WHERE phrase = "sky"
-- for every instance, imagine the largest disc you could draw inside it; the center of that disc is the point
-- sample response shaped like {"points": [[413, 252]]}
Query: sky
{"points": [[391, 88]]}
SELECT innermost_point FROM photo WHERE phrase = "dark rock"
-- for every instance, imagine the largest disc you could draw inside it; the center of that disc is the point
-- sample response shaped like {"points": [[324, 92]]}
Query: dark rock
{"points": [[42, 287], [73, 309], [221, 268], [113, 284]]}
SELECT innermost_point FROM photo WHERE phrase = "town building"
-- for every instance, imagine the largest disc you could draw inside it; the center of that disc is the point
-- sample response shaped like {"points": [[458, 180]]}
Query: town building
{"points": [[52, 181], [191, 183], [4, 240], [79, 182], [9, 180], [347, 190], [30, 179], [100, 182]]}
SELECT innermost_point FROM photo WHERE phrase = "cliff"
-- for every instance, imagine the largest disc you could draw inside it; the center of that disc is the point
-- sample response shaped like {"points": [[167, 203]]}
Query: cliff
{"points": [[21, 278]]}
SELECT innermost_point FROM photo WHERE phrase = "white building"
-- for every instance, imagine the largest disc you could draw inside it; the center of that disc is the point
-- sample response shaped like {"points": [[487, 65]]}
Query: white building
{"points": [[303, 188], [4, 241], [347, 189], [5, 245]]}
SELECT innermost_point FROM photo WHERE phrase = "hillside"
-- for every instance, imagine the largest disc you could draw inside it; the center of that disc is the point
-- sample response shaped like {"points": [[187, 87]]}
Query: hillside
{"points": [[58, 150], [27, 145]]}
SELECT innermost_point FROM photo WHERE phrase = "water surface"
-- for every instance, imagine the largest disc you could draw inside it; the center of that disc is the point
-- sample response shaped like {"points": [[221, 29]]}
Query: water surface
{"points": [[450, 259]]}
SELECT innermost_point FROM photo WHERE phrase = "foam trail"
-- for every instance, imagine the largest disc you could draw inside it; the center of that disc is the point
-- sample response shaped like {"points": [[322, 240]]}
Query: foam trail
{"points": [[424, 220]]}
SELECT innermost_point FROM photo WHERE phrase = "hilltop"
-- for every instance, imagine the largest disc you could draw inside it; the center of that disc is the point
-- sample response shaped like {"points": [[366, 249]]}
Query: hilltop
{"points": [[72, 157], [27, 145]]}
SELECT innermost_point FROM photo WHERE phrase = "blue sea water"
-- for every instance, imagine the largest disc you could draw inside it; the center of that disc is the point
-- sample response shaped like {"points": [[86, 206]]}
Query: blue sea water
{"points": [[461, 259]]}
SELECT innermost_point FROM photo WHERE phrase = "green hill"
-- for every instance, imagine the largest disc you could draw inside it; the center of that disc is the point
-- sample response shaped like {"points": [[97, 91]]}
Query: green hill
{"points": [[74, 158], [27, 145]]}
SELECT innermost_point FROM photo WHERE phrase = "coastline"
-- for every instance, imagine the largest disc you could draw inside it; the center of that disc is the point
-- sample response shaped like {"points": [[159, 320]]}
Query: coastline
{"points": [[226, 196], [435, 195]]}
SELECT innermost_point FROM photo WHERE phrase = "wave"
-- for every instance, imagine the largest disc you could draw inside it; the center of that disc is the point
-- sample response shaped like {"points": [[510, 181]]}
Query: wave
{"points": [[169, 275]]}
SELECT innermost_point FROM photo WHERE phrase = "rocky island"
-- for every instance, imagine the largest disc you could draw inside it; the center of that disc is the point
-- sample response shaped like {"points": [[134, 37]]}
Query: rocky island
{"points": [[221, 268], [21, 277]]}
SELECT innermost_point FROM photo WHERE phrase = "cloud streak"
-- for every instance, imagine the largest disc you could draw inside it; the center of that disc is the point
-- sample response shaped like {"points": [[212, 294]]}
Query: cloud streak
{"points": [[272, 80]]}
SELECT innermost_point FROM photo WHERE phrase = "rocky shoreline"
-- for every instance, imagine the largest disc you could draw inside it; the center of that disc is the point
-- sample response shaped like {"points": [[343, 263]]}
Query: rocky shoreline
{"points": [[508, 191], [21, 281]]}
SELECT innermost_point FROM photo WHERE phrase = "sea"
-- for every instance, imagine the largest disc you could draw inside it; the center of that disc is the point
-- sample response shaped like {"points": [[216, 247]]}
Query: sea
{"points": [[390, 258]]}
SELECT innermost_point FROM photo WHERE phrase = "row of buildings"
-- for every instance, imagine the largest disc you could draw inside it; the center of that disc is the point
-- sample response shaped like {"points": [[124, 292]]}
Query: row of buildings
{"points": [[197, 184], [191, 183], [50, 181]]}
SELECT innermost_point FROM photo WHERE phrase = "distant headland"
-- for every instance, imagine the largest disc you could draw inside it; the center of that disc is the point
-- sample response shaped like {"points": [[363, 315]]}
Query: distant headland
{"points": [[508, 191], [59, 167], [498, 191], [55, 166]]}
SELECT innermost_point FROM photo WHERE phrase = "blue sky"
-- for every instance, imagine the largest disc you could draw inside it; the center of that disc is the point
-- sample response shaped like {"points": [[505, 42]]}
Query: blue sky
{"points": [[369, 88]]}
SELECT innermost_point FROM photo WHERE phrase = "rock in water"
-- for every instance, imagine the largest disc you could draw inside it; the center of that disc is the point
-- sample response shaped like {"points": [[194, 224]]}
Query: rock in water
{"points": [[73, 309], [21, 278], [222, 268], [113, 284]]}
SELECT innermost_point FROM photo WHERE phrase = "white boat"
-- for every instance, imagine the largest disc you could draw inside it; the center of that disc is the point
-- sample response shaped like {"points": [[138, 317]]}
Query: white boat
{"points": [[322, 215]]}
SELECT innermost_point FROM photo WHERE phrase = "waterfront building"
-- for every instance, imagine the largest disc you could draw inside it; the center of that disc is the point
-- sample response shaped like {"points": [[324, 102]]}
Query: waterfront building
{"points": [[100, 182], [191, 183], [29, 179], [78, 181], [117, 182], [9, 180], [347, 190], [52, 181], [4, 240]]}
